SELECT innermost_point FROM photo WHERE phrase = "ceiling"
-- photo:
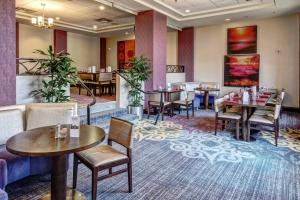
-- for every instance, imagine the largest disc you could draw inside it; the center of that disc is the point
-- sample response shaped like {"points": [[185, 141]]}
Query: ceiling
{"points": [[80, 15]]}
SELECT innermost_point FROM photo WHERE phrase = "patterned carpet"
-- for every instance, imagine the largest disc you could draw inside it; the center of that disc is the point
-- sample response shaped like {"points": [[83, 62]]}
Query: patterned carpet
{"points": [[84, 99], [177, 160]]}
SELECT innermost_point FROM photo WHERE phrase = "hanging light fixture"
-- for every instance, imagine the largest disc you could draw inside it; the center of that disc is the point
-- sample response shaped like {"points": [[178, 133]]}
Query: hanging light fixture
{"points": [[41, 21]]}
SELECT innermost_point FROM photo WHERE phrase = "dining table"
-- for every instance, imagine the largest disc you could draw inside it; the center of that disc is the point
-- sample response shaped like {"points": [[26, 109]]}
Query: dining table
{"points": [[167, 92], [206, 91], [42, 142], [93, 74], [266, 100]]}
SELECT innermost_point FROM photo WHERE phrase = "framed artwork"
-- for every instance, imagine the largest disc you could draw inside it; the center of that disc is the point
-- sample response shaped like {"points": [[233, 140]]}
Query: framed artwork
{"points": [[126, 51], [241, 70], [242, 40]]}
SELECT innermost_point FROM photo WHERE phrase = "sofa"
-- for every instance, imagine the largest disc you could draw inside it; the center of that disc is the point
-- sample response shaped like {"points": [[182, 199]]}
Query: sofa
{"points": [[17, 118]]}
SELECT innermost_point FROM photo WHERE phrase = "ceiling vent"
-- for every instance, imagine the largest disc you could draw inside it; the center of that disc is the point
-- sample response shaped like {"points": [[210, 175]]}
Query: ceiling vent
{"points": [[25, 10], [103, 20]]}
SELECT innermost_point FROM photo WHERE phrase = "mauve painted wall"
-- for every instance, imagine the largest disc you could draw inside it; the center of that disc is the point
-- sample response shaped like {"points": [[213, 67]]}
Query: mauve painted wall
{"points": [[186, 52], [7, 53], [60, 41], [150, 41]]}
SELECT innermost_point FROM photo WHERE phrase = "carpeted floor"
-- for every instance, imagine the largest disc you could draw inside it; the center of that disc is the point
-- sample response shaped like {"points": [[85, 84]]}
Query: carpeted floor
{"points": [[84, 99], [180, 159]]}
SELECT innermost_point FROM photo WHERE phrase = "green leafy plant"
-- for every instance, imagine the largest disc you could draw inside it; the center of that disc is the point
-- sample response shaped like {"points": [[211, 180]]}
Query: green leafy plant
{"points": [[61, 74], [139, 72]]}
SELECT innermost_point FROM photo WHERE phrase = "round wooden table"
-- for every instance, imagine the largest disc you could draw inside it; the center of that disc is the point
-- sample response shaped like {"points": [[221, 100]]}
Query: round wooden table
{"points": [[42, 142], [206, 92]]}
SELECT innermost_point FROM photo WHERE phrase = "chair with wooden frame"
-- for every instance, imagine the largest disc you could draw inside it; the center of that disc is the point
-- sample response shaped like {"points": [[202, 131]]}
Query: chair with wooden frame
{"points": [[188, 102], [268, 119], [154, 102], [220, 114], [104, 157]]}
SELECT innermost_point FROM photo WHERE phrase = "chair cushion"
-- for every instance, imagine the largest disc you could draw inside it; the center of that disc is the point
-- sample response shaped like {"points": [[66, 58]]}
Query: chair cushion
{"points": [[11, 123], [182, 102], [230, 115], [101, 155], [18, 167], [39, 115], [264, 119], [157, 103]]}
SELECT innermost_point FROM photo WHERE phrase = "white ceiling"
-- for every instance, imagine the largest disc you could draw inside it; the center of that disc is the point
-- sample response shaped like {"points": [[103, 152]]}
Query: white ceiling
{"points": [[80, 14]]}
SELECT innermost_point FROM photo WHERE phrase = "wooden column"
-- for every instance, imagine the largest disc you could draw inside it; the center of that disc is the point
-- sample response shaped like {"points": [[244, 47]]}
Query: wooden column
{"points": [[102, 53], [17, 47], [60, 41], [7, 52], [186, 52]]}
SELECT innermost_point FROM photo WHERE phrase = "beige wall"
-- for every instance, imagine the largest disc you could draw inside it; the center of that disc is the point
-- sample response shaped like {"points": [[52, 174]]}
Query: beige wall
{"points": [[84, 50], [31, 38], [111, 49], [172, 46], [278, 47]]}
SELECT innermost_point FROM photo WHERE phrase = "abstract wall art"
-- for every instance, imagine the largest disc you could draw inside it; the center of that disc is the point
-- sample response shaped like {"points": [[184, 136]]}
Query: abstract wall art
{"points": [[241, 70], [126, 51], [242, 40]]}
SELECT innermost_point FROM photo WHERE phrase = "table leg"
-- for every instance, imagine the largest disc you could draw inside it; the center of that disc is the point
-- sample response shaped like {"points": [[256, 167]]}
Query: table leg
{"points": [[244, 122], [59, 181], [206, 99], [160, 109]]}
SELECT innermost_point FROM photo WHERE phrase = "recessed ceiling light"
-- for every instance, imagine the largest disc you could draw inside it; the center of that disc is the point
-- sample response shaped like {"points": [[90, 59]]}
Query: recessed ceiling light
{"points": [[227, 19], [101, 7], [95, 27], [57, 18], [126, 33], [187, 11]]}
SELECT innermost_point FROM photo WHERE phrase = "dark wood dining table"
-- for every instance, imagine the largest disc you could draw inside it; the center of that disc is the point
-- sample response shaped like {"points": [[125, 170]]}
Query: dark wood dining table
{"points": [[258, 102], [93, 74], [162, 92], [206, 94], [42, 142]]}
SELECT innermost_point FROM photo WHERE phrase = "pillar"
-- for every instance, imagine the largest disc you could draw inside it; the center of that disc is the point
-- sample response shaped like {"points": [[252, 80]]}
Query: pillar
{"points": [[7, 53], [186, 52], [150, 41]]}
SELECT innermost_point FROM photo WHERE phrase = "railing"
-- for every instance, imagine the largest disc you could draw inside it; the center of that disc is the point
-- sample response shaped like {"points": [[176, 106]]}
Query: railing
{"points": [[33, 70]]}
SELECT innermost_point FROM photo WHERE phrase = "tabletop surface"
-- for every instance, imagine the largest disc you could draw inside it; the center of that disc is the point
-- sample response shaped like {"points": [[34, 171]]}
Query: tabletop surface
{"points": [[207, 89], [165, 91], [42, 141], [256, 102]]}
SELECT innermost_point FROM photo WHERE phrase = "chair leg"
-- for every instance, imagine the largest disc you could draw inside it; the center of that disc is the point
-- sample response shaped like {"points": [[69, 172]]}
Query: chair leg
{"points": [[129, 168], [162, 113], [75, 171], [179, 109], [148, 109], [238, 130], [248, 132], [276, 135], [223, 125], [193, 109], [216, 126], [94, 183], [110, 170], [187, 111], [79, 89]]}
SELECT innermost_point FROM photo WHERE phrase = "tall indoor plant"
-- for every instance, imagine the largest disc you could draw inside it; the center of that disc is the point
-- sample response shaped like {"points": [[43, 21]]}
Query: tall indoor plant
{"points": [[138, 72], [61, 75]]}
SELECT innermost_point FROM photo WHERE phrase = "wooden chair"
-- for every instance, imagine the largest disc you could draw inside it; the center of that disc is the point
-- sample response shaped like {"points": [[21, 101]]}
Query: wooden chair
{"points": [[104, 157], [154, 103], [187, 103], [266, 118], [220, 114]]}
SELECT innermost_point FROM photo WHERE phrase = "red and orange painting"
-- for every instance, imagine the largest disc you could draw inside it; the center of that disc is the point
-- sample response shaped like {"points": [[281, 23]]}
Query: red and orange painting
{"points": [[126, 51], [242, 40], [241, 70]]}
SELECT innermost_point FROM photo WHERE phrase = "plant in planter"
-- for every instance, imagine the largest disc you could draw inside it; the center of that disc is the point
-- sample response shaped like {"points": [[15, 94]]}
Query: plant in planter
{"points": [[139, 72], [61, 73]]}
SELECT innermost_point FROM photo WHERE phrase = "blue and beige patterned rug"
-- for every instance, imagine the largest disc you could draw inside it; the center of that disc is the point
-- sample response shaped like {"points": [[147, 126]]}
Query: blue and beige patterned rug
{"points": [[172, 162]]}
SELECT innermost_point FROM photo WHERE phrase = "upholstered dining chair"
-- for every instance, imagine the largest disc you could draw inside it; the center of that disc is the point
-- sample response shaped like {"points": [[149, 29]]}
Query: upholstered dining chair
{"points": [[104, 157], [105, 83], [221, 114], [154, 103], [265, 119], [187, 103]]}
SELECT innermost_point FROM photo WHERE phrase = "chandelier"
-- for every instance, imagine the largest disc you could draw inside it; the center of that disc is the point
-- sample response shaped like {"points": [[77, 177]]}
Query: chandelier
{"points": [[41, 21]]}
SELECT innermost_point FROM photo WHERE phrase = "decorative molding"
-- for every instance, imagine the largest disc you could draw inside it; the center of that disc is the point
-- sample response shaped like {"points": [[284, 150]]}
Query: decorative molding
{"points": [[179, 16]]}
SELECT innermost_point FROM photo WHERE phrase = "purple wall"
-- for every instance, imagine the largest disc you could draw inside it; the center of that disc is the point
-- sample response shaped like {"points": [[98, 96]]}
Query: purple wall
{"points": [[7, 52], [150, 41], [186, 52]]}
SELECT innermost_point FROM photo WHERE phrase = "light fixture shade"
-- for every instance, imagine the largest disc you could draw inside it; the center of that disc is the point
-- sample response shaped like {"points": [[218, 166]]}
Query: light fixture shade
{"points": [[40, 21], [34, 20], [50, 21]]}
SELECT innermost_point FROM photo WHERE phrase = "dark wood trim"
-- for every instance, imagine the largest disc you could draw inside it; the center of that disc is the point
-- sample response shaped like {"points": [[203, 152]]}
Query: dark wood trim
{"points": [[102, 53], [17, 47]]}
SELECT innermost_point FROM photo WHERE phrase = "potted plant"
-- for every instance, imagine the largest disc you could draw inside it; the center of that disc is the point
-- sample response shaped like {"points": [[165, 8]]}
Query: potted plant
{"points": [[61, 75], [139, 72]]}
